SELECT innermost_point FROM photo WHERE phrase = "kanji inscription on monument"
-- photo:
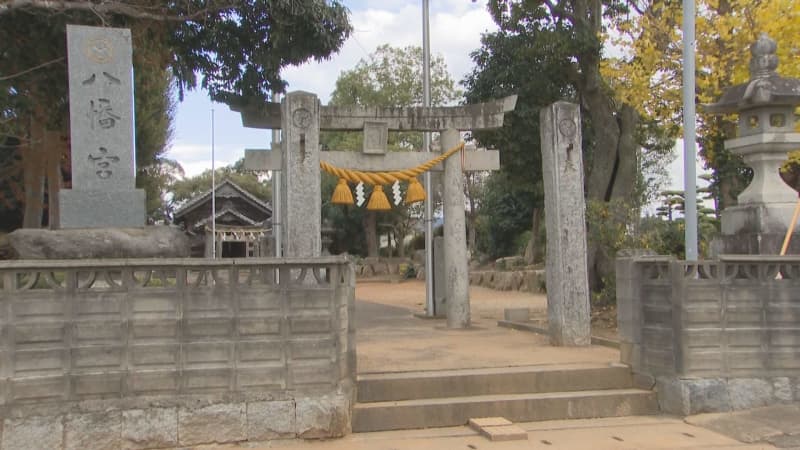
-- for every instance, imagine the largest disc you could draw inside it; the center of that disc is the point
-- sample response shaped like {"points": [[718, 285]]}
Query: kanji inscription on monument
{"points": [[103, 190]]}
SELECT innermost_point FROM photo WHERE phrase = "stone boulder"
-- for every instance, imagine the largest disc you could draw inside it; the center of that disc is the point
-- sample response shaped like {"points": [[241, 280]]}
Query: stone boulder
{"points": [[91, 243]]}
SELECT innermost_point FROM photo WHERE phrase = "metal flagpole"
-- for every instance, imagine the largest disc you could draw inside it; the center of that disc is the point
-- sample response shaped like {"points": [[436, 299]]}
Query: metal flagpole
{"points": [[213, 193], [689, 152], [277, 211], [426, 146]]}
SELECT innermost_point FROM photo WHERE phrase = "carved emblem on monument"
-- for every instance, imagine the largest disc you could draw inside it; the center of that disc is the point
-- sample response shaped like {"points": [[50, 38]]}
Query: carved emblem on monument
{"points": [[567, 127], [99, 50], [301, 118]]}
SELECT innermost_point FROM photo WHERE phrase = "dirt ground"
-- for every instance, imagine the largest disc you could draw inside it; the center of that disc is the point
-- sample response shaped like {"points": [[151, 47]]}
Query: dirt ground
{"points": [[389, 338], [485, 303]]}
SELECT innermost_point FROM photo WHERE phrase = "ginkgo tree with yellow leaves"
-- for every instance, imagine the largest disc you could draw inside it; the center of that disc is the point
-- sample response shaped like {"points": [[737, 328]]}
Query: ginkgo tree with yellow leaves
{"points": [[648, 75]]}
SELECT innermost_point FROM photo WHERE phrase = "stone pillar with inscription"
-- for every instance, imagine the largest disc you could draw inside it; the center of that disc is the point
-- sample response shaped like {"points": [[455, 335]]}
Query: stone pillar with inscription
{"points": [[456, 262], [567, 278], [103, 190], [302, 215]]}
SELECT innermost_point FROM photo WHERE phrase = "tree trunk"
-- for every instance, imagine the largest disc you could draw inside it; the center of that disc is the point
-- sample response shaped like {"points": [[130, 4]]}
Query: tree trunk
{"points": [[33, 166], [532, 248], [401, 245], [54, 149], [627, 171], [613, 167], [370, 223]]}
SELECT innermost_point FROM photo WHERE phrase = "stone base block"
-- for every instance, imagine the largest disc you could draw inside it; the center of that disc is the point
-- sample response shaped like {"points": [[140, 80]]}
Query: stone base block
{"points": [[212, 424], [150, 428], [95, 431], [517, 314], [504, 433], [101, 209], [688, 396], [323, 417], [480, 422], [33, 433], [271, 420], [758, 244], [757, 229], [161, 426], [498, 429]]}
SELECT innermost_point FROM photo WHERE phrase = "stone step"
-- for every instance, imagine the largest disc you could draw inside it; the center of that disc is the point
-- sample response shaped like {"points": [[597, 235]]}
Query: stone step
{"points": [[505, 380], [454, 411]]}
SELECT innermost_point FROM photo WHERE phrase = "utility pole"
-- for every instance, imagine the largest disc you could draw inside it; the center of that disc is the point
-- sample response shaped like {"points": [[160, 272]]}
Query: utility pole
{"points": [[689, 139], [426, 146]]}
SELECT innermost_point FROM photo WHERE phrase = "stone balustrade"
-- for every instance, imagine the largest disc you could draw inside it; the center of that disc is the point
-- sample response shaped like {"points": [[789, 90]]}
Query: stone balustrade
{"points": [[715, 335], [174, 352]]}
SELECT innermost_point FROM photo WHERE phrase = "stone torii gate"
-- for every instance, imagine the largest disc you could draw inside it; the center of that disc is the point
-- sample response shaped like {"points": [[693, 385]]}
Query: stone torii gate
{"points": [[301, 117]]}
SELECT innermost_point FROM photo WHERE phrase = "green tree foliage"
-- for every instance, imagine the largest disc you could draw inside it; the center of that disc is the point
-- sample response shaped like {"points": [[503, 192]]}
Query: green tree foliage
{"points": [[504, 65], [505, 214], [561, 41], [670, 230], [235, 49], [155, 111], [390, 76]]}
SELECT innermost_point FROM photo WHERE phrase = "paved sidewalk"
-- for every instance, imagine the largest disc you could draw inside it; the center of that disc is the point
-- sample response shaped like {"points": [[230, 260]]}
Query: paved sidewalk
{"points": [[639, 433], [778, 425]]}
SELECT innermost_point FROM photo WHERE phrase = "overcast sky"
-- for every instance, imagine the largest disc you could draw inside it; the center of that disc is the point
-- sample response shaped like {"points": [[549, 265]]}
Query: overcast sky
{"points": [[456, 28]]}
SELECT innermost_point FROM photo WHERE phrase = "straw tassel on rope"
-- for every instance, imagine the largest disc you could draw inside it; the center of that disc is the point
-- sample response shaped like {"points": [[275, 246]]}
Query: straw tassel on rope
{"points": [[342, 194], [415, 192], [378, 200]]}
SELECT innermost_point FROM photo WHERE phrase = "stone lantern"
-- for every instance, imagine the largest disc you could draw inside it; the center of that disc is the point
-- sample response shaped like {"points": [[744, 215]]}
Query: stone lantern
{"points": [[766, 107]]}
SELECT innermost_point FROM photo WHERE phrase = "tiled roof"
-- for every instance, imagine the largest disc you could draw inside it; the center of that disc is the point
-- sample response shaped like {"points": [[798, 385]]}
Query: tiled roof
{"points": [[200, 199]]}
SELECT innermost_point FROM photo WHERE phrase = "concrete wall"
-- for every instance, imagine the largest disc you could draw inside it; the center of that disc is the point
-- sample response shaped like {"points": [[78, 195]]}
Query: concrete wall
{"points": [[715, 335], [160, 353]]}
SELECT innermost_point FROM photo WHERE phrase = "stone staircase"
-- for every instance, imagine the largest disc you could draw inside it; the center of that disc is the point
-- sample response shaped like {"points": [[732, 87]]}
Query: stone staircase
{"points": [[412, 400]]}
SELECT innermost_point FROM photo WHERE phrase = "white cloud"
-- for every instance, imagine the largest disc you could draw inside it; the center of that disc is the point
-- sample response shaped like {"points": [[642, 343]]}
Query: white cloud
{"points": [[189, 152], [197, 158], [455, 33], [197, 167], [456, 26]]}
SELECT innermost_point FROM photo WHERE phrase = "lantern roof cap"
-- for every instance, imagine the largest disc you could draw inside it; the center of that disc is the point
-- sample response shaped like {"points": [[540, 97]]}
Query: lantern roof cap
{"points": [[765, 87]]}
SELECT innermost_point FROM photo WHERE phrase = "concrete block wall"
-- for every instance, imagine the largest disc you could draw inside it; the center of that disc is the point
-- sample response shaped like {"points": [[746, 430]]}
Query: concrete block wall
{"points": [[155, 353], [715, 335]]}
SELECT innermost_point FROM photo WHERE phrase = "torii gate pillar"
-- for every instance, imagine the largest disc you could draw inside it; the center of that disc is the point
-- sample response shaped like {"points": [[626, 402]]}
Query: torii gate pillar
{"points": [[456, 266], [302, 216]]}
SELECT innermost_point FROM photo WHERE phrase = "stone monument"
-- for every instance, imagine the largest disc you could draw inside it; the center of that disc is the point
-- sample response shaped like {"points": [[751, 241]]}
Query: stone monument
{"points": [[302, 225], [103, 190], [568, 312], [765, 105]]}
